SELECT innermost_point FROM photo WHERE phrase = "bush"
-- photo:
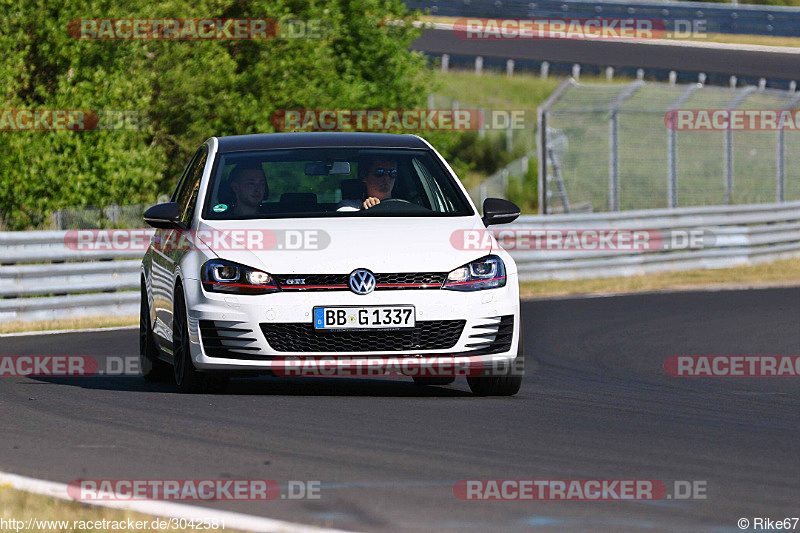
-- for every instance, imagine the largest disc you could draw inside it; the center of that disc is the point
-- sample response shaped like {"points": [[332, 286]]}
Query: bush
{"points": [[187, 90], [525, 192]]}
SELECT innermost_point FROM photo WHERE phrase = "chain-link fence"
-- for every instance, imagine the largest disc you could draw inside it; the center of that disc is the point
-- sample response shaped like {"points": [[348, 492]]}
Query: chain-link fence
{"points": [[496, 185], [513, 147], [113, 216], [517, 140], [609, 148]]}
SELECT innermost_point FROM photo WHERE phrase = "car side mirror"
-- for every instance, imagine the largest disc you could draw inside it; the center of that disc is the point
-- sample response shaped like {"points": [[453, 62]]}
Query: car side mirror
{"points": [[164, 216], [499, 211]]}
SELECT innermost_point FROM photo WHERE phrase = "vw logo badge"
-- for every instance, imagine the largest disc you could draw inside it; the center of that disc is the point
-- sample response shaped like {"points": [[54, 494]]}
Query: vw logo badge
{"points": [[362, 281]]}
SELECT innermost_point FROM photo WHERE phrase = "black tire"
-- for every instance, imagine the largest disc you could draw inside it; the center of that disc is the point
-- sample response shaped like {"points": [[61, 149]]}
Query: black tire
{"points": [[187, 378], [443, 380], [495, 385], [153, 369], [506, 385]]}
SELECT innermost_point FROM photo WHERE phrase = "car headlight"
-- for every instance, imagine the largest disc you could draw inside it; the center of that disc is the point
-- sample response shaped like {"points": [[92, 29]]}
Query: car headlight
{"points": [[219, 275], [486, 273]]}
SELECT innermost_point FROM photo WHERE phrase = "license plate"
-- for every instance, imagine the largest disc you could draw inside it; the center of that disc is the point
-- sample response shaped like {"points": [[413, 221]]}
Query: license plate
{"points": [[372, 317]]}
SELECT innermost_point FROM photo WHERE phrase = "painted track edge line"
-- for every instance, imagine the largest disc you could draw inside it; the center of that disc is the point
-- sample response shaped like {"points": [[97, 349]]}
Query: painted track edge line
{"points": [[233, 520], [61, 331], [655, 292]]}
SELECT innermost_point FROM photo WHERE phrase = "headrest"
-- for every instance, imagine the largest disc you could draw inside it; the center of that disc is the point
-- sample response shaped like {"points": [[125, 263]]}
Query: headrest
{"points": [[353, 189], [226, 195]]}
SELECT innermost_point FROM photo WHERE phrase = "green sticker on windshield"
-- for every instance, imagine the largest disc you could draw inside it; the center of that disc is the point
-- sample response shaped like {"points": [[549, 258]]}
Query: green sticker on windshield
{"points": [[219, 208]]}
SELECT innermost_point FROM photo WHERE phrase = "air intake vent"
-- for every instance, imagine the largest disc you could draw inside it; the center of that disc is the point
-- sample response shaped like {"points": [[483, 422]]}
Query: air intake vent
{"points": [[228, 340], [493, 337]]}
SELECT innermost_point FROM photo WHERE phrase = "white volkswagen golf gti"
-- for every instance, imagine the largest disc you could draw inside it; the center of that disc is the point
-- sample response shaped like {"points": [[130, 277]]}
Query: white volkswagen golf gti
{"points": [[307, 246]]}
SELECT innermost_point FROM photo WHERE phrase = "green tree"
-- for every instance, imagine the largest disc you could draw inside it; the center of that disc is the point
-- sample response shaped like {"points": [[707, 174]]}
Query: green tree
{"points": [[187, 90]]}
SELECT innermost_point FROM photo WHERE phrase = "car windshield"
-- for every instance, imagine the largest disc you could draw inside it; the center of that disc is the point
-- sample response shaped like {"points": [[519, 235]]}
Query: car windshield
{"points": [[342, 182]]}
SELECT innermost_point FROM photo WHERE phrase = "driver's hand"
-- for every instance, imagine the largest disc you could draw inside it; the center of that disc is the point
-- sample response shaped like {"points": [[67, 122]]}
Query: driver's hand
{"points": [[369, 202]]}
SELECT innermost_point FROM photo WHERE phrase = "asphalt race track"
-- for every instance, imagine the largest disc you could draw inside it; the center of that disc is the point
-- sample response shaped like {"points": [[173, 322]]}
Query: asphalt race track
{"points": [[618, 54], [596, 404]]}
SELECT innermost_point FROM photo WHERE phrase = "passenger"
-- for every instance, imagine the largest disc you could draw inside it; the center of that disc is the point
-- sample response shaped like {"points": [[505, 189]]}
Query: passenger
{"points": [[249, 185]]}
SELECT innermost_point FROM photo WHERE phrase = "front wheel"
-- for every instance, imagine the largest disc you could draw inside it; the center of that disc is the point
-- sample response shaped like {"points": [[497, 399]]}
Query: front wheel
{"points": [[506, 385], [187, 377], [152, 368], [495, 385]]}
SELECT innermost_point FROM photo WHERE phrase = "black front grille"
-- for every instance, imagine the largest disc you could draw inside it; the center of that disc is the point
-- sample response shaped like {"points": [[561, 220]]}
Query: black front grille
{"points": [[387, 281], [322, 282], [228, 340], [312, 281], [298, 337], [494, 337]]}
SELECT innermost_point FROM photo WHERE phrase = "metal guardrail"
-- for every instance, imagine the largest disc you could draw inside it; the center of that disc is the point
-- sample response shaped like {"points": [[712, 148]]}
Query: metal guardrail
{"points": [[743, 235], [42, 279], [715, 18]]}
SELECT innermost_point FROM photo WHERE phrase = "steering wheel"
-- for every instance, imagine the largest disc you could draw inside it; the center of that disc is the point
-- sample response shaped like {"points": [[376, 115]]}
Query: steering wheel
{"points": [[394, 200], [396, 205]]}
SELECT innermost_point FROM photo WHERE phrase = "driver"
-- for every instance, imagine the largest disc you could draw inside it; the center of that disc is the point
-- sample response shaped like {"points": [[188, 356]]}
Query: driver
{"points": [[379, 175], [249, 184]]}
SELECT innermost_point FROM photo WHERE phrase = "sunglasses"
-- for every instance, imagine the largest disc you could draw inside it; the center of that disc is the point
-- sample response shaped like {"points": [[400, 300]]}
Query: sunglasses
{"points": [[379, 172]]}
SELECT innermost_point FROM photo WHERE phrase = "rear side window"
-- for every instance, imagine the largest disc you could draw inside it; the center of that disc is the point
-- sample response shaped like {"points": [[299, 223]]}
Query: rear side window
{"points": [[182, 177], [190, 187]]}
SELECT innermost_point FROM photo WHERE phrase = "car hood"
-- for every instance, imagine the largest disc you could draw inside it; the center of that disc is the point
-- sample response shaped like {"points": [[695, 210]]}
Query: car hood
{"points": [[385, 244]]}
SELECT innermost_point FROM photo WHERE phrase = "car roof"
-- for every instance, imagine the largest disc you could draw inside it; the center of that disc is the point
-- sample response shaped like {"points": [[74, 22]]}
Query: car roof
{"points": [[271, 141]]}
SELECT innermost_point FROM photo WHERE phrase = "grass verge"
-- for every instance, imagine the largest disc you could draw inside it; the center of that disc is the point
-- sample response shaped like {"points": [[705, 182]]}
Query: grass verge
{"points": [[778, 273], [493, 90], [23, 506], [70, 323]]}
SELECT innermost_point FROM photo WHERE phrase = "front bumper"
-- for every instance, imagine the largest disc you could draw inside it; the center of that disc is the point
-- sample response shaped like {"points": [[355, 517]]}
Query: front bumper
{"points": [[228, 332]]}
